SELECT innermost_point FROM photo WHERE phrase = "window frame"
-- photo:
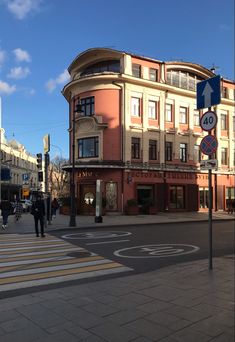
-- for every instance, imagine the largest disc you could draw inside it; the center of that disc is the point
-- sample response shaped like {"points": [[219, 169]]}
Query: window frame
{"points": [[135, 148], [183, 115], [152, 116], [168, 151], [80, 144], [135, 107], [223, 122], [152, 149], [88, 106], [183, 152], [196, 117], [136, 70], [153, 72], [224, 155], [167, 111]]}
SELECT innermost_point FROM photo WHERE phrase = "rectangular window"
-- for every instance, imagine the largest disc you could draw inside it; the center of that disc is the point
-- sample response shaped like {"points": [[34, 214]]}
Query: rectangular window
{"points": [[183, 115], [224, 92], [224, 156], [197, 154], [177, 197], [136, 70], [204, 197], [152, 110], [168, 151], [135, 106], [230, 198], [135, 148], [183, 153], [223, 121], [88, 104], [152, 149], [169, 108], [88, 147], [196, 117], [153, 74]]}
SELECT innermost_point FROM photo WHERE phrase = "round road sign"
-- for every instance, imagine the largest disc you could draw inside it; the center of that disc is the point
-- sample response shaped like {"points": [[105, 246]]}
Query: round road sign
{"points": [[208, 121], [209, 144]]}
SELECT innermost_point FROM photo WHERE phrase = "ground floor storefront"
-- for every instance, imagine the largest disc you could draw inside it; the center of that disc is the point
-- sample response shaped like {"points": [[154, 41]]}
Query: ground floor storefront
{"points": [[159, 190]]}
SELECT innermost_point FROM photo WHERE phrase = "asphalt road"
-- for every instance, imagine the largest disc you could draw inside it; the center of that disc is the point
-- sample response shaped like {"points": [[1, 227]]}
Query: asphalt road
{"points": [[149, 247]]}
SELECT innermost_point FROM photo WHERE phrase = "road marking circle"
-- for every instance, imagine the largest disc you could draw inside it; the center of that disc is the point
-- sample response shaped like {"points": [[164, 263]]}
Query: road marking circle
{"points": [[96, 235], [156, 251]]}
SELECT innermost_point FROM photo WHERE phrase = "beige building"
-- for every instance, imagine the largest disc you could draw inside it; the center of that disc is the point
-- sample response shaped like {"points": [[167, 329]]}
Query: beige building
{"points": [[22, 168]]}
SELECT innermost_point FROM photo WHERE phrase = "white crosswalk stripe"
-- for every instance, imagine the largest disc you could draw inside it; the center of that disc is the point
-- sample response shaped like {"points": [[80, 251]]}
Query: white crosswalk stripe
{"points": [[28, 261]]}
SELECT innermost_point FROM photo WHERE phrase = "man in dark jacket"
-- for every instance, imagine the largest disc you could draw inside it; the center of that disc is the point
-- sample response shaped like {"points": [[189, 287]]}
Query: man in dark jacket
{"points": [[6, 208], [38, 211]]}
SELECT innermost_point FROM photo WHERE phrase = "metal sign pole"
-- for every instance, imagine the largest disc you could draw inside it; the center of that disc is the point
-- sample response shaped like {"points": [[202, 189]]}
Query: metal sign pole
{"points": [[210, 218], [210, 211]]}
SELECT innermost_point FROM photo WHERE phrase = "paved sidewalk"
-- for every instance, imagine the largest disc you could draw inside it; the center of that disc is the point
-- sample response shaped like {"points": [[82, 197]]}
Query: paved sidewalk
{"points": [[26, 224], [184, 303], [181, 303]]}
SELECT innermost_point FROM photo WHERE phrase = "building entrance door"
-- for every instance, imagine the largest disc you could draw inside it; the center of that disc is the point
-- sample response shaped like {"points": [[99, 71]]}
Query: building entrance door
{"points": [[144, 196], [87, 199]]}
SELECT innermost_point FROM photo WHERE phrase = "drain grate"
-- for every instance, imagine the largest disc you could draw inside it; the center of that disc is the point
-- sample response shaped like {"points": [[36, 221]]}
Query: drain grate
{"points": [[80, 254]]}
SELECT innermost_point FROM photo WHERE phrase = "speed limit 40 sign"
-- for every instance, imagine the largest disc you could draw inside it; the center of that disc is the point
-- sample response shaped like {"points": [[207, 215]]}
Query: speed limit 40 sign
{"points": [[208, 121]]}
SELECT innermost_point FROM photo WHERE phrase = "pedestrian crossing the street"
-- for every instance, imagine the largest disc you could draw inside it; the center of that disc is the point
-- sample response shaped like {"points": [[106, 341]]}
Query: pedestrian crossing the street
{"points": [[28, 261]]}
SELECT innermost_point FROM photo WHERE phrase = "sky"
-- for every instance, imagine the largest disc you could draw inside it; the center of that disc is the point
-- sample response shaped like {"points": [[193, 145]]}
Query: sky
{"points": [[40, 38]]}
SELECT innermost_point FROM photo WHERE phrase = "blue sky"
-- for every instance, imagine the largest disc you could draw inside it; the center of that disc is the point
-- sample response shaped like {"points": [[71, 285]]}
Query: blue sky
{"points": [[40, 38]]}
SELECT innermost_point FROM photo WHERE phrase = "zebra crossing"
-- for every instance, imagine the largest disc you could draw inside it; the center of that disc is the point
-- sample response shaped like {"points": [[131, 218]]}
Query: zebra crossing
{"points": [[28, 261]]}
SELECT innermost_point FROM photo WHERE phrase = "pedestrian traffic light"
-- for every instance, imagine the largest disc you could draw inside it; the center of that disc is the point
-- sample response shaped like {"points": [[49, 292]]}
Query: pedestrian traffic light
{"points": [[39, 161], [40, 176]]}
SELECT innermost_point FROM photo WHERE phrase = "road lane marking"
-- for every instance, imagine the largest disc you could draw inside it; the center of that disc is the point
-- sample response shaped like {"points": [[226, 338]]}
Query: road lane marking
{"points": [[102, 242]]}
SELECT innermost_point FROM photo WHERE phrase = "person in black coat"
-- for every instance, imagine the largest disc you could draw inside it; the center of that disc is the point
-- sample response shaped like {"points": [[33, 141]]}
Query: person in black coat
{"points": [[38, 212], [6, 208]]}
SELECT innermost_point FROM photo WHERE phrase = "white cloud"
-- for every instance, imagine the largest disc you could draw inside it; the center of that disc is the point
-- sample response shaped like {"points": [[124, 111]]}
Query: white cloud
{"points": [[2, 56], [21, 8], [21, 55], [5, 88], [63, 78], [18, 73]]}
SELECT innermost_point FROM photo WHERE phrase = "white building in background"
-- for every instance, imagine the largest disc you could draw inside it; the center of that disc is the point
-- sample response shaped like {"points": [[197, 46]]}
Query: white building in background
{"points": [[20, 165]]}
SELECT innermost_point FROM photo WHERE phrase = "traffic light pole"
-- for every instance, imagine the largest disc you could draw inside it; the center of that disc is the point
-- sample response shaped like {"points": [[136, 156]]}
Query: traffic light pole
{"points": [[48, 197]]}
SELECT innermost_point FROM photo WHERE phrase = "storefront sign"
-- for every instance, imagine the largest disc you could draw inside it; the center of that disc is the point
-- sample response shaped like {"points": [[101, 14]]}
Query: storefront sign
{"points": [[138, 175], [87, 174]]}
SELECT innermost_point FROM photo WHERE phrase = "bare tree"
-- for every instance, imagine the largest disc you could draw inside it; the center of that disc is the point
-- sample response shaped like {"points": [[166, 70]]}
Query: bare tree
{"points": [[58, 178]]}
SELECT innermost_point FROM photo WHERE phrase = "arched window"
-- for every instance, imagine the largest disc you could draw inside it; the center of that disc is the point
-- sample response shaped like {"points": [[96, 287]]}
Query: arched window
{"points": [[104, 66], [183, 79]]}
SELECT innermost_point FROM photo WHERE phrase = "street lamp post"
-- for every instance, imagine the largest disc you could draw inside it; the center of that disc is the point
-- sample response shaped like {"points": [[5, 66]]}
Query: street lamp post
{"points": [[72, 222]]}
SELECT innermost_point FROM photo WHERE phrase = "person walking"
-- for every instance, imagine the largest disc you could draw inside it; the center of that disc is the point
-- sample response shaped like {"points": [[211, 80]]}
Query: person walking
{"points": [[54, 207], [18, 210], [38, 212], [6, 208]]}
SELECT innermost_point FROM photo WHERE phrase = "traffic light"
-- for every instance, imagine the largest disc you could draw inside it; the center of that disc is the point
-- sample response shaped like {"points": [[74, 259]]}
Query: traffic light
{"points": [[39, 161], [40, 176]]}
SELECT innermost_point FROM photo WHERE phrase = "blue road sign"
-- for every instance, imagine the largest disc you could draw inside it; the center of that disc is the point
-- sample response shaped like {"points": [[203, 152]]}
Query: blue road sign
{"points": [[209, 144], [25, 176], [208, 92]]}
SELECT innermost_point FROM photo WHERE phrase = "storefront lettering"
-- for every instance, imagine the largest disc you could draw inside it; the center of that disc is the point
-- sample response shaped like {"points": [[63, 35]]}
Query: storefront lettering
{"points": [[167, 175], [86, 174], [146, 174]]}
